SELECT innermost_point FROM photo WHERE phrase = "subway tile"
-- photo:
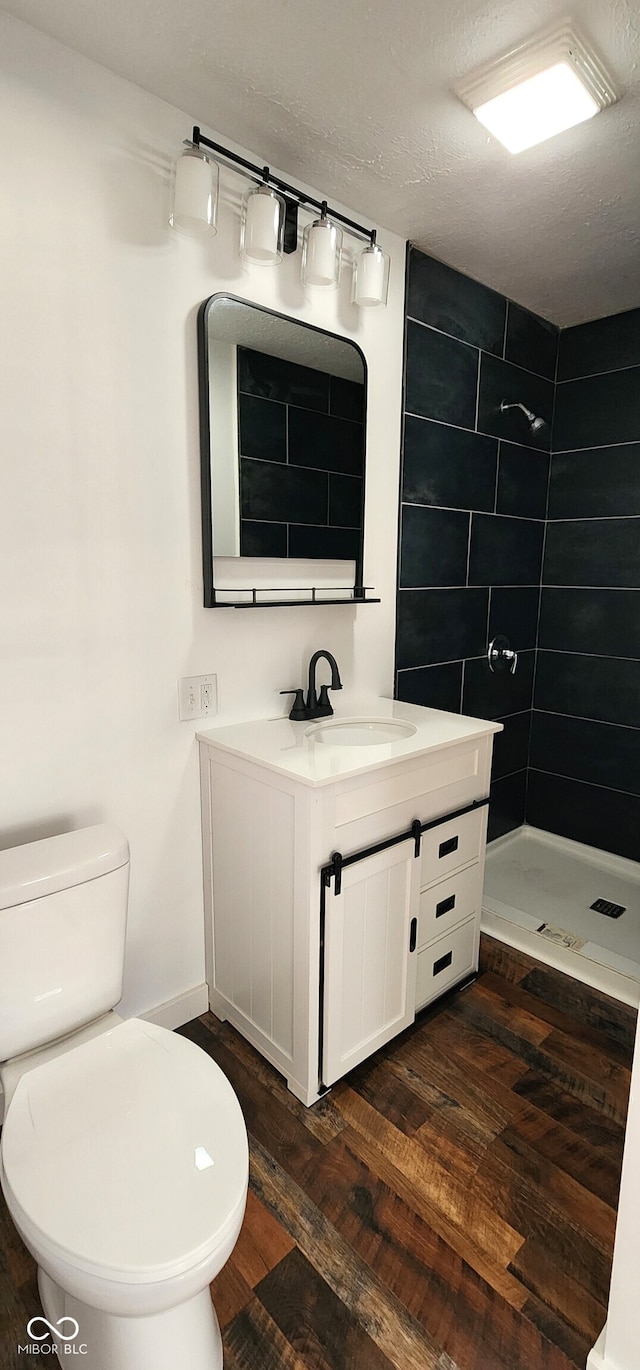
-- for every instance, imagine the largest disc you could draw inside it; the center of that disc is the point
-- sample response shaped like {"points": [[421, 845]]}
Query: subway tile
{"points": [[513, 613], [333, 544], [346, 399], [500, 381], [440, 625], [602, 552], [601, 622], [345, 501], [277, 379], [448, 466], [262, 539], [262, 428], [506, 810], [586, 813], [603, 345], [582, 749], [441, 377], [505, 551], [531, 342], [325, 442], [598, 411], [434, 546], [600, 482], [435, 687], [511, 746], [440, 296], [598, 687], [282, 493], [492, 694], [523, 476]]}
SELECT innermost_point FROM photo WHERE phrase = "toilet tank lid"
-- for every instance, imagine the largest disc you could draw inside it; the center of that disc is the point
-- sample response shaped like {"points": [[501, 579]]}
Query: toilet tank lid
{"points": [[57, 863]]}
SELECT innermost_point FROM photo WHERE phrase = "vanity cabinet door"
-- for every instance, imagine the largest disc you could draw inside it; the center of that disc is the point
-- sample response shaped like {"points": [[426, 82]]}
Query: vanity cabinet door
{"points": [[370, 957]]}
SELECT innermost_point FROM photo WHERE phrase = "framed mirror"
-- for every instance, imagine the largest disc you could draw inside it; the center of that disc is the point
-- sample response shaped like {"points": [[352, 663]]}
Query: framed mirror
{"points": [[282, 431]]}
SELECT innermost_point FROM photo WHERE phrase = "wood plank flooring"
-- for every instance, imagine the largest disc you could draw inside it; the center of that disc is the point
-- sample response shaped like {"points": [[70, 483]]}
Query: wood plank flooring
{"points": [[449, 1206]]}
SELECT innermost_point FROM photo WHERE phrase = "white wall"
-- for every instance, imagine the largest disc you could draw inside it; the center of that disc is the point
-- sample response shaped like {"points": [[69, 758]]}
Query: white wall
{"points": [[617, 1349], [100, 572]]}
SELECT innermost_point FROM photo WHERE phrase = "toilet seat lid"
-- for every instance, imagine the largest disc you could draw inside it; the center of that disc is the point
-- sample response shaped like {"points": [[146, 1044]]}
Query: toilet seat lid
{"points": [[127, 1155]]}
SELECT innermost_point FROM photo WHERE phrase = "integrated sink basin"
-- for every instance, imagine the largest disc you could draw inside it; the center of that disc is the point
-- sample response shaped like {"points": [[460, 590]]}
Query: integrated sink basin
{"points": [[360, 732]]}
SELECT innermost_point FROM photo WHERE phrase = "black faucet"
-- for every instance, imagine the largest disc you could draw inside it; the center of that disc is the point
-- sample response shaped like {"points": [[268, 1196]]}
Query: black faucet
{"points": [[315, 706]]}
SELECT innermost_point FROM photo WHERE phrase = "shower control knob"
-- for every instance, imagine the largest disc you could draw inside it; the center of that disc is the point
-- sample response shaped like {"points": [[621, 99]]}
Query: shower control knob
{"points": [[501, 655]]}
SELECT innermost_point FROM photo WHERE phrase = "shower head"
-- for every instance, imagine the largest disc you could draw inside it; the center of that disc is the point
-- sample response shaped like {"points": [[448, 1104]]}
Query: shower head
{"points": [[534, 421]]}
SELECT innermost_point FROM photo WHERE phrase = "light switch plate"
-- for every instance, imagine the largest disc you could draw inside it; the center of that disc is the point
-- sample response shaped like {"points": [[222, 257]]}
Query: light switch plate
{"points": [[197, 697]]}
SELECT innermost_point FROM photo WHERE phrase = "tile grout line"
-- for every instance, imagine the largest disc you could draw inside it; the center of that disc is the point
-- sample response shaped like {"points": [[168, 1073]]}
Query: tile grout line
{"points": [[539, 375], [479, 432], [590, 375], [587, 718], [485, 513], [592, 784]]}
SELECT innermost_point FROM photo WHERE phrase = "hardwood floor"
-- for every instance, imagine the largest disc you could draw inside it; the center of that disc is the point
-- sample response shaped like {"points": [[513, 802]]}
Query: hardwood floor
{"points": [[448, 1206]]}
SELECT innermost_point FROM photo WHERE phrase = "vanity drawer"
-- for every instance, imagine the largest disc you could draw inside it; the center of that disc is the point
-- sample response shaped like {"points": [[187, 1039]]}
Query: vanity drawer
{"points": [[451, 845], [446, 961], [448, 903]]}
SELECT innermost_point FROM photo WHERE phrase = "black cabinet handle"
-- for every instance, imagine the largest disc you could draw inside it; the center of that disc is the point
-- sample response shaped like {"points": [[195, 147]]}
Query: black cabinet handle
{"points": [[445, 905], [413, 934], [446, 848], [442, 963]]}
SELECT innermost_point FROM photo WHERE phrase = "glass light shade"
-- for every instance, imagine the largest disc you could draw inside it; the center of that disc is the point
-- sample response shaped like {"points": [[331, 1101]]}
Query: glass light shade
{"points": [[538, 108], [370, 276], [321, 254], [262, 227], [195, 193]]}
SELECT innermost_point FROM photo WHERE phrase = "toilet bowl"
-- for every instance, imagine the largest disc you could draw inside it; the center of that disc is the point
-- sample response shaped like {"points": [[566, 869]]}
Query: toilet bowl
{"points": [[124, 1168], [124, 1165]]}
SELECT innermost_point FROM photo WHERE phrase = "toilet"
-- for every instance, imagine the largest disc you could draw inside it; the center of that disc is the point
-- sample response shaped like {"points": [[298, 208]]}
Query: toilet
{"points": [[124, 1159]]}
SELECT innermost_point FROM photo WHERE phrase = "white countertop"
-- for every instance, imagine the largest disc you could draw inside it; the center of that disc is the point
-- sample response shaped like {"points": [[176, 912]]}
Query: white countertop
{"points": [[285, 747]]}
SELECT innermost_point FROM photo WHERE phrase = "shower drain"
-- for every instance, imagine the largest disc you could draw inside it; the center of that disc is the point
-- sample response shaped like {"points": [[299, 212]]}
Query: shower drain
{"points": [[610, 910]]}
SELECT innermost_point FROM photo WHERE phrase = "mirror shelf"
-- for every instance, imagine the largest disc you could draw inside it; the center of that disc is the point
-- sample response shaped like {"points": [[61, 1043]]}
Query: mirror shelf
{"points": [[307, 595]]}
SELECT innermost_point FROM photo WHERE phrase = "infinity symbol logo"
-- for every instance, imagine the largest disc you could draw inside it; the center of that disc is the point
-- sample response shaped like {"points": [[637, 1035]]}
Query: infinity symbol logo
{"points": [[54, 1327]]}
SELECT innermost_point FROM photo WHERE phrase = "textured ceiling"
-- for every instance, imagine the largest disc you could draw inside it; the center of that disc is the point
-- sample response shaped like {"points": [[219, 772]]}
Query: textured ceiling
{"points": [[356, 98]]}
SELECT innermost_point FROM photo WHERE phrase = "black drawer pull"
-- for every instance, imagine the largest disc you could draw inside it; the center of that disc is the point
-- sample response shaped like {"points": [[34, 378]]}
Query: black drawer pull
{"points": [[446, 848], [442, 963], [413, 934], [445, 905]]}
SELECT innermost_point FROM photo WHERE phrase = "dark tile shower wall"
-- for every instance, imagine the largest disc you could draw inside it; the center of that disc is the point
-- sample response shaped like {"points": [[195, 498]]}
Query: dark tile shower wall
{"points": [[301, 460], [474, 490], [584, 779]]}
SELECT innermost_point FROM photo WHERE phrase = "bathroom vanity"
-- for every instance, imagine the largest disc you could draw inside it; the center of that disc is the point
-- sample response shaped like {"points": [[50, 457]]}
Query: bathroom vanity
{"points": [[343, 865]]}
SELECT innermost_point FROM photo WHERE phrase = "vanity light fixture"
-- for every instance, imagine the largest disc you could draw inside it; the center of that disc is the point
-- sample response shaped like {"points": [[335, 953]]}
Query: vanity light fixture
{"points": [[321, 253], [262, 224], [195, 193], [539, 89], [269, 223], [371, 275]]}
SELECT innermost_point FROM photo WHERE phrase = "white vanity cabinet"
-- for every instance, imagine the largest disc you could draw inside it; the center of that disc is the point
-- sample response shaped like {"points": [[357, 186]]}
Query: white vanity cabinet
{"points": [[318, 971]]}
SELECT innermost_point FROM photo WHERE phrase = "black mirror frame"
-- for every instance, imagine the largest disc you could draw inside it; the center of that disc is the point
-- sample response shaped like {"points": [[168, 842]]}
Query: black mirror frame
{"points": [[359, 594]]}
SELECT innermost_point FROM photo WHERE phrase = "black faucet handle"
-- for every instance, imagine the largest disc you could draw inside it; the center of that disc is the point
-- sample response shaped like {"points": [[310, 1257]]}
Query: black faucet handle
{"points": [[298, 710], [323, 708]]}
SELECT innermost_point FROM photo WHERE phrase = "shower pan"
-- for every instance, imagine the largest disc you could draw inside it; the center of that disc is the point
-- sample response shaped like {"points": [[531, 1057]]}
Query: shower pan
{"points": [[566, 904]]}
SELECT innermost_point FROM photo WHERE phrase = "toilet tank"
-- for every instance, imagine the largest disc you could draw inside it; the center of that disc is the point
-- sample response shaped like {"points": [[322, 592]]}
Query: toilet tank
{"points": [[63, 913]]}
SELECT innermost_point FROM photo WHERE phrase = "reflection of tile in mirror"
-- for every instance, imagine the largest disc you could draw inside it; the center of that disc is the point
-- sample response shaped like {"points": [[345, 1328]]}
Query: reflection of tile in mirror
{"points": [[285, 494], [274, 378], [263, 428], [325, 442]]}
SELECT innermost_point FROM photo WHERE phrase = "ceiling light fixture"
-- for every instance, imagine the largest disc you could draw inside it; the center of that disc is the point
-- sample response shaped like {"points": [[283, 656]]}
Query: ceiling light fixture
{"points": [[269, 223], [539, 89]]}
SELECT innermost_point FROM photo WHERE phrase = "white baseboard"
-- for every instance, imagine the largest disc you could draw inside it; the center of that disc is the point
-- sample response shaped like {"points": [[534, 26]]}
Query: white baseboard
{"points": [[180, 1010], [596, 1358]]}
